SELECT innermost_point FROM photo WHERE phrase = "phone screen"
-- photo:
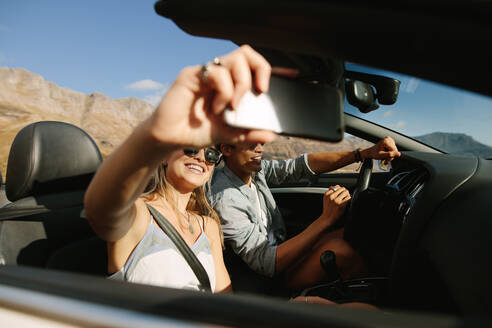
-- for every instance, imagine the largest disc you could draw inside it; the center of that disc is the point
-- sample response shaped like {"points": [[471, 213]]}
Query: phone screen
{"points": [[292, 108]]}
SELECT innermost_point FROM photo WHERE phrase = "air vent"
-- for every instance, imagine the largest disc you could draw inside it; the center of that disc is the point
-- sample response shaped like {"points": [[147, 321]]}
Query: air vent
{"points": [[406, 186], [408, 180], [417, 183]]}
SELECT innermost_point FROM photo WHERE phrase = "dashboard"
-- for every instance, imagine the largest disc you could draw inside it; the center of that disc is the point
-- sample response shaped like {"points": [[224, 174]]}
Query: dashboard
{"points": [[441, 258], [428, 229]]}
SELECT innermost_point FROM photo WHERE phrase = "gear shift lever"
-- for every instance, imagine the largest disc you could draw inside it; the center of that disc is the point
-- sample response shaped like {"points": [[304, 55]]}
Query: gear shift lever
{"points": [[328, 261], [333, 288]]}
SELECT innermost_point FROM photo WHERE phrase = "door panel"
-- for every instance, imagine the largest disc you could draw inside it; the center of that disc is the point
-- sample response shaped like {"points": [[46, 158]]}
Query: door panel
{"points": [[299, 206], [301, 203]]}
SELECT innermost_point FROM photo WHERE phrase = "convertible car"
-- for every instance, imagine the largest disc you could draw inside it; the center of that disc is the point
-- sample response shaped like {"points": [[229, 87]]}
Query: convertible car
{"points": [[416, 71]]}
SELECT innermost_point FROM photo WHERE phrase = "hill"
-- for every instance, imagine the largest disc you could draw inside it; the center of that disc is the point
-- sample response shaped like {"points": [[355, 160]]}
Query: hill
{"points": [[456, 143], [25, 97]]}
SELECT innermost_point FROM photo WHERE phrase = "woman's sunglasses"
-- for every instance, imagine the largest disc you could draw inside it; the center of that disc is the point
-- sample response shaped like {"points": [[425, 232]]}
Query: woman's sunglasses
{"points": [[212, 156]]}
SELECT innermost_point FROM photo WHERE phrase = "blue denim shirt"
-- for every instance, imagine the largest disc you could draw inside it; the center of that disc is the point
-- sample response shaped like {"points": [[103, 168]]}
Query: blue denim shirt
{"points": [[237, 207]]}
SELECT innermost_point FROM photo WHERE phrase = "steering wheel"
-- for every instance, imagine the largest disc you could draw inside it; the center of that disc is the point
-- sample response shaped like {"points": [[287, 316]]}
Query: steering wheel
{"points": [[362, 184]]}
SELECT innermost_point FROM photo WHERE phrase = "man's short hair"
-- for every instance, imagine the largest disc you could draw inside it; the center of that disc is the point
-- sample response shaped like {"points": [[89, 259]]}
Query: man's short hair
{"points": [[224, 158]]}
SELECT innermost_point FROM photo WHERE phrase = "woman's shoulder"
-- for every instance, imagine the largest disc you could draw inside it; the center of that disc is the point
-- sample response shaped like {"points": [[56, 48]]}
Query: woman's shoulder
{"points": [[211, 226], [141, 208], [141, 220], [213, 232]]}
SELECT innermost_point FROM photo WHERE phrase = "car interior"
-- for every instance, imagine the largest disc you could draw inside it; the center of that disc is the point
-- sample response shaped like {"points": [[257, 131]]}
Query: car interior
{"points": [[50, 164], [423, 227]]}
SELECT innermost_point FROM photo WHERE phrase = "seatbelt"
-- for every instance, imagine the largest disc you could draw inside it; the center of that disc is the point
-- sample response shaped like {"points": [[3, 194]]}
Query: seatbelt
{"points": [[183, 247]]}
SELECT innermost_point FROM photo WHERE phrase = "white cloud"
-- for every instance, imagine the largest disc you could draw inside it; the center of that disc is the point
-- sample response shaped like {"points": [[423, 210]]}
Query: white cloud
{"points": [[145, 85], [412, 85], [388, 113], [149, 90], [155, 98]]}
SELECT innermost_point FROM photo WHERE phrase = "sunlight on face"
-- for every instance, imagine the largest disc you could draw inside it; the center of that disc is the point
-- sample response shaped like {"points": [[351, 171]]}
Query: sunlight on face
{"points": [[247, 157], [187, 173]]}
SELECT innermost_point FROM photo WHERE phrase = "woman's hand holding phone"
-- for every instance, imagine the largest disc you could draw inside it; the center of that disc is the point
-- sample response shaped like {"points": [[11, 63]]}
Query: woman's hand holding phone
{"points": [[190, 113]]}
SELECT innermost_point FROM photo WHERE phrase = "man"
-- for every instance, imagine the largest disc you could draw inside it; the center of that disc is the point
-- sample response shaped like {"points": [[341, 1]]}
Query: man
{"points": [[252, 223]]}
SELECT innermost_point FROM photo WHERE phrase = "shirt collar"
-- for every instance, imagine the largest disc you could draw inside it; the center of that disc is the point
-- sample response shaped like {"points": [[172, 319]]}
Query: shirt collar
{"points": [[236, 181]]}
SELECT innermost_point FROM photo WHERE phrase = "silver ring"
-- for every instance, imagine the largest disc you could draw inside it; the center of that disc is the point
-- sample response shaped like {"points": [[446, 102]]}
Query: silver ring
{"points": [[205, 70], [217, 61], [333, 188]]}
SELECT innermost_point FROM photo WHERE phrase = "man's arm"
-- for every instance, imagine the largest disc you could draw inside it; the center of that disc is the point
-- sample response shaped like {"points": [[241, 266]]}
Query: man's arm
{"points": [[291, 250], [251, 243], [329, 161], [285, 170], [294, 248]]}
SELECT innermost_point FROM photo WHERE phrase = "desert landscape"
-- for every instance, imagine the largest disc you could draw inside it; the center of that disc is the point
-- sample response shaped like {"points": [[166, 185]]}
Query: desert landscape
{"points": [[25, 97]]}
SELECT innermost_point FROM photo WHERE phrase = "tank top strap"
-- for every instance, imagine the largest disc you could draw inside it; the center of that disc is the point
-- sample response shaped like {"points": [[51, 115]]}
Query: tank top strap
{"points": [[202, 223]]}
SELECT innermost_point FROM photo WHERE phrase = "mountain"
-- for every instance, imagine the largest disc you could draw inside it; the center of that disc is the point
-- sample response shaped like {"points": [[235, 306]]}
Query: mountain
{"points": [[25, 97], [456, 143]]}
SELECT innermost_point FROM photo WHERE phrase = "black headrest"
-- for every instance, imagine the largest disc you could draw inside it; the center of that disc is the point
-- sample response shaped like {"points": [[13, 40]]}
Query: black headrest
{"points": [[48, 157]]}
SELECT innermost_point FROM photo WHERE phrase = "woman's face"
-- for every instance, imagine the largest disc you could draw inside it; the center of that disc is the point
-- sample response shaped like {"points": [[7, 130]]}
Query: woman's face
{"points": [[188, 172]]}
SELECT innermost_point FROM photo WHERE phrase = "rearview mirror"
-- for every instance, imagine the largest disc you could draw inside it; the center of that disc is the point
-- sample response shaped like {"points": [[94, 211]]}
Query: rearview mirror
{"points": [[387, 89], [360, 95]]}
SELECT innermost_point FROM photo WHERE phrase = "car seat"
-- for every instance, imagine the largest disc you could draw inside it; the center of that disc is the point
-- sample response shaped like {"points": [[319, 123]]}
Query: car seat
{"points": [[49, 167], [84, 256]]}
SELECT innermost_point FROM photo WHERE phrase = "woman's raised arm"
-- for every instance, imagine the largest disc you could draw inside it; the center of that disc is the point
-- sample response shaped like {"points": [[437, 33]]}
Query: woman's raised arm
{"points": [[189, 116]]}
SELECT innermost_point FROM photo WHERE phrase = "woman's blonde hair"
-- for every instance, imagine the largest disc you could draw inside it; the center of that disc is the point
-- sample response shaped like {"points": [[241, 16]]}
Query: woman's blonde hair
{"points": [[198, 204]]}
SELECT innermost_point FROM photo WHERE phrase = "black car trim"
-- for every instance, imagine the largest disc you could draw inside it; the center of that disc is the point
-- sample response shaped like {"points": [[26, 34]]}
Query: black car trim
{"points": [[239, 310], [374, 132]]}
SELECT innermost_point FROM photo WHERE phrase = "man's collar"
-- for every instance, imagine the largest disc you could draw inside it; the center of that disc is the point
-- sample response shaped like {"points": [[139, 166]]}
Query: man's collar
{"points": [[233, 177]]}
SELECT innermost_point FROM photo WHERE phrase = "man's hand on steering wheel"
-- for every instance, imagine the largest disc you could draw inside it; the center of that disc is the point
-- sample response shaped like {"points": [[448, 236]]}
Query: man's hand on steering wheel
{"points": [[385, 150]]}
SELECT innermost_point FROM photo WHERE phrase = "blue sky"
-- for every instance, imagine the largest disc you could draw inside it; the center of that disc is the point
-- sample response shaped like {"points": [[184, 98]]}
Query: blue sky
{"points": [[119, 48], [124, 49]]}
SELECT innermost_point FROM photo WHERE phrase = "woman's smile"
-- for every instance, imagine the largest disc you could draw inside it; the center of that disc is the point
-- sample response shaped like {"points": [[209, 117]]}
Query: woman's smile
{"points": [[195, 168]]}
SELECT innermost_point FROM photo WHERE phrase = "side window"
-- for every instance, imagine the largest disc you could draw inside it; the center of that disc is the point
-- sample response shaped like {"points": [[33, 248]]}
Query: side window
{"points": [[290, 147]]}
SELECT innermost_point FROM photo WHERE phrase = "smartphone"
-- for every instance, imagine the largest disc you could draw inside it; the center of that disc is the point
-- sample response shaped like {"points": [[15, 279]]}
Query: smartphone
{"points": [[292, 108]]}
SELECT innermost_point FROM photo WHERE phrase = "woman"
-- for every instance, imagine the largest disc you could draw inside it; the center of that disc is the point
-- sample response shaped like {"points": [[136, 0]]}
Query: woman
{"points": [[172, 142]]}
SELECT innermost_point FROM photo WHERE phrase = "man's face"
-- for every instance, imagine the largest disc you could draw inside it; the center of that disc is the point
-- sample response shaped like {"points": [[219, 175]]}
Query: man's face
{"points": [[245, 158]]}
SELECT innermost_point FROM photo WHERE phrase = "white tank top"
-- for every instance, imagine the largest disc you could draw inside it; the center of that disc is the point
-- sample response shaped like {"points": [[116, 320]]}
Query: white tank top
{"points": [[157, 261]]}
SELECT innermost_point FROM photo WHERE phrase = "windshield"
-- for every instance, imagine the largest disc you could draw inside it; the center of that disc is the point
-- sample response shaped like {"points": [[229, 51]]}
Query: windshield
{"points": [[449, 119]]}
